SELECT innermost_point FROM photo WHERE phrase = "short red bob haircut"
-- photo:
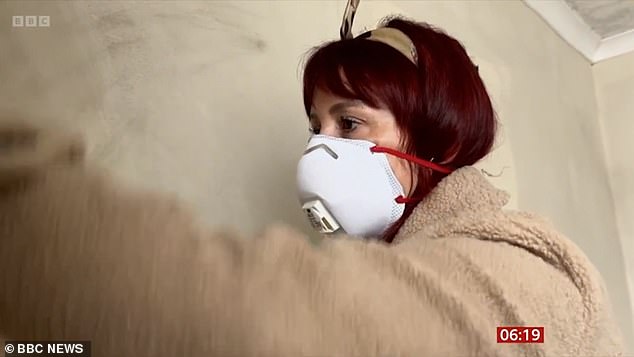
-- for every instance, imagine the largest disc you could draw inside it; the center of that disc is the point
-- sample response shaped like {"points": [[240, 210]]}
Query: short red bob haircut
{"points": [[441, 106]]}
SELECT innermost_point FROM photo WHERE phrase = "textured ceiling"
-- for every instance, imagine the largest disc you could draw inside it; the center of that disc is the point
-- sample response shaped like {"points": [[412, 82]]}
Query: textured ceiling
{"points": [[606, 17]]}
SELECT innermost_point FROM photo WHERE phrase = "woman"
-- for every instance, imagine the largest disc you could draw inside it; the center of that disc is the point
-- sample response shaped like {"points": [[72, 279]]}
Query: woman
{"points": [[442, 266]]}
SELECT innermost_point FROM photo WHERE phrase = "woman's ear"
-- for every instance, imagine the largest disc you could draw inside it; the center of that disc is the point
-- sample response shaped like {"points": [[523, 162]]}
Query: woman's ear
{"points": [[27, 150]]}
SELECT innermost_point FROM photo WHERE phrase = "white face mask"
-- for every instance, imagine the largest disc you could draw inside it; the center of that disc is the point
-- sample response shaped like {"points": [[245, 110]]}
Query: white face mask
{"points": [[349, 185], [344, 185]]}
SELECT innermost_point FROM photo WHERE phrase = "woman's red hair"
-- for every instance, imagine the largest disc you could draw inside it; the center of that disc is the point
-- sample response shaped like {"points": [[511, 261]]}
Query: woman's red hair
{"points": [[441, 106]]}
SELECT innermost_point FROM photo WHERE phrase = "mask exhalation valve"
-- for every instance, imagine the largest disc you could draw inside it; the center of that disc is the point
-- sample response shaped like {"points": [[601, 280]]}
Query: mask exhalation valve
{"points": [[320, 218]]}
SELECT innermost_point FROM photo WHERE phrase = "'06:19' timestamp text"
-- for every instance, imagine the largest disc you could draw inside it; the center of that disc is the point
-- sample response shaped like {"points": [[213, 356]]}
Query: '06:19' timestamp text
{"points": [[520, 334]]}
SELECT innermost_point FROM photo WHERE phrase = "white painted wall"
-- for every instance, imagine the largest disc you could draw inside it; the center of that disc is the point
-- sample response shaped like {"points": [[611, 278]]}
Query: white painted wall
{"points": [[614, 83], [203, 99]]}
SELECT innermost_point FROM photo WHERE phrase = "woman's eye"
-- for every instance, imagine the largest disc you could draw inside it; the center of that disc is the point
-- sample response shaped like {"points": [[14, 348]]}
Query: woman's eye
{"points": [[348, 124]]}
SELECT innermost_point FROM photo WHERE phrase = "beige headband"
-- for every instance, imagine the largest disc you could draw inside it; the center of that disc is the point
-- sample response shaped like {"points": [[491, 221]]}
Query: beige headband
{"points": [[395, 39]]}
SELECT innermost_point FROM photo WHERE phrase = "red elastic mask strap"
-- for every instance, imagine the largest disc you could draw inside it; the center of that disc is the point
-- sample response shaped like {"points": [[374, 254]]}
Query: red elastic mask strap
{"points": [[401, 199], [411, 158]]}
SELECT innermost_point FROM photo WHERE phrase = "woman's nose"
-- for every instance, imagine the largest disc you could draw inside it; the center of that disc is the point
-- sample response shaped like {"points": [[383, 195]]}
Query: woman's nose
{"points": [[330, 130]]}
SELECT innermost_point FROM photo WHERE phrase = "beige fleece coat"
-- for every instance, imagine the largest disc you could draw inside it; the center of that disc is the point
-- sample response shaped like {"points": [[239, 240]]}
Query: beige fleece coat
{"points": [[82, 258]]}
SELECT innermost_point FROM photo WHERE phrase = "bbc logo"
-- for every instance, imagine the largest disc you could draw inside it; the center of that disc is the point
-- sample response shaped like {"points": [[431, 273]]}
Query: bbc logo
{"points": [[31, 21]]}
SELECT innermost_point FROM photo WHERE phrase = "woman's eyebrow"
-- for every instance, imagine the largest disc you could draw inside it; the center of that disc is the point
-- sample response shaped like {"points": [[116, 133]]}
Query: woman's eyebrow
{"points": [[336, 108]]}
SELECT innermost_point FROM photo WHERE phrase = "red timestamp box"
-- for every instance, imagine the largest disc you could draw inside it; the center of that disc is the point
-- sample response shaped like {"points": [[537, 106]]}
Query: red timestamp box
{"points": [[520, 334]]}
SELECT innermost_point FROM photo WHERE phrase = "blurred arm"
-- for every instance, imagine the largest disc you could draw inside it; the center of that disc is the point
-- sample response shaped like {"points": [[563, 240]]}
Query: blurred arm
{"points": [[83, 259]]}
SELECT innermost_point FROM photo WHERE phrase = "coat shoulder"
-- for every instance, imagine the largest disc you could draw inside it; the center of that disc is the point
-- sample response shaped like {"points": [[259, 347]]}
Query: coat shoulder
{"points": [[515, 270]]}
